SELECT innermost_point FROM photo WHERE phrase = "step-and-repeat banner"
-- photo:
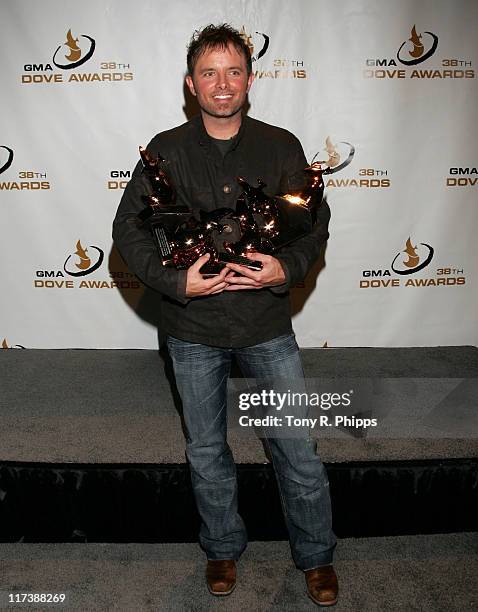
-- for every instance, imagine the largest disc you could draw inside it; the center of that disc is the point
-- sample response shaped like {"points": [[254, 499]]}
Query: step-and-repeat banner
{"points": [[387, 91]]}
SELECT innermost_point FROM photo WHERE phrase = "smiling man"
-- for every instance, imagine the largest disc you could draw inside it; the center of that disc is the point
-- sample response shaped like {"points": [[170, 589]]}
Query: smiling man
{"points": [[221, 81], [239, 312]]}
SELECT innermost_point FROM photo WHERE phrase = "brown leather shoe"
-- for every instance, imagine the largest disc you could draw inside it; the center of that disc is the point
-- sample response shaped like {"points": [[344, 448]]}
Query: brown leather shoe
{"points": [[221, 576], [322, 585]]}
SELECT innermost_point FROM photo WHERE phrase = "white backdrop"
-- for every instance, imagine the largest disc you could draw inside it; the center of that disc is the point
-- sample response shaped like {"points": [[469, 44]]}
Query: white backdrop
{"points": [[72, 119]]}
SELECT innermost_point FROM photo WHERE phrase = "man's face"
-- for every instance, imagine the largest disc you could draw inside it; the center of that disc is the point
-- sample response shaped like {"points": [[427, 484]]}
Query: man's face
{"points": [[220, 82]]}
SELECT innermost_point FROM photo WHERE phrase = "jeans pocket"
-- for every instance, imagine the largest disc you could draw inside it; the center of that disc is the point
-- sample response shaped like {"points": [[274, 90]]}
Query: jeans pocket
{"points": [[184, 351]]}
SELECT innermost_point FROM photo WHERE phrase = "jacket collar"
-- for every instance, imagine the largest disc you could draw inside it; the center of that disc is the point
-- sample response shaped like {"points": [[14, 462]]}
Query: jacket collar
{"points": [[205, 140]]}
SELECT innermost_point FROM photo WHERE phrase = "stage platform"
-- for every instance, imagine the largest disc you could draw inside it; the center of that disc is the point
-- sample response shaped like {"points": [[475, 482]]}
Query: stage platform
{"points": [[86, 431], [106, 406]]}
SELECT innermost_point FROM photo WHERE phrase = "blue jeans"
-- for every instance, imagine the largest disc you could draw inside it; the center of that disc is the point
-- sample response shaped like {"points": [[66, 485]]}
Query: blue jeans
{"points": [[201, 376]]}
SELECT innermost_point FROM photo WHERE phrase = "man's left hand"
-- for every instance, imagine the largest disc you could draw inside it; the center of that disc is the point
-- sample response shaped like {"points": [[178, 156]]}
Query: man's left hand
{"points": [[271, 275]]}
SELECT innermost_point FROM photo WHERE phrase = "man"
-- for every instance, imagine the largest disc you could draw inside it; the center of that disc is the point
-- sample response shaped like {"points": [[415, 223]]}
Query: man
{"points": [[238, 312]]}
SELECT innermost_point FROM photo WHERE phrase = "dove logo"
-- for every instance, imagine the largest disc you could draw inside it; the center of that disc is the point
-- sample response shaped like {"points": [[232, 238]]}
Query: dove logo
{"points": [[85, 265], [76, 51]]}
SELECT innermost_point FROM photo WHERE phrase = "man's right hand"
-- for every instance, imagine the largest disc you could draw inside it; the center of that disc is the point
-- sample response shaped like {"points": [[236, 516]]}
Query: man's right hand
{"points": [[197, 285]]}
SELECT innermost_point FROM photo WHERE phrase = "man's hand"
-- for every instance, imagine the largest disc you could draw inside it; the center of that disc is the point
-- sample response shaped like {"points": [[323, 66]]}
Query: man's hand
{"points": [[197, 285], [271, 275]]}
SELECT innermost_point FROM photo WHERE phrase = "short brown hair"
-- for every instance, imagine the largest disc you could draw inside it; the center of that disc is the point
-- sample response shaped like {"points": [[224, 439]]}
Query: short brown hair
{"points": [[212, 37]]}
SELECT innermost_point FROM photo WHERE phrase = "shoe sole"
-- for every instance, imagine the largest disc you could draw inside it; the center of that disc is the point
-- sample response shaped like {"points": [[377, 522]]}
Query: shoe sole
{"points": [[220, 593], [321, 603]]}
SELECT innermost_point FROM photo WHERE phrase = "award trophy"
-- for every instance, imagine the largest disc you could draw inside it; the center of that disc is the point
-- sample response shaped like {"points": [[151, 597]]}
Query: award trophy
{"points": [[259, 224], [180, 238], [270, 223], [161, 214]]}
